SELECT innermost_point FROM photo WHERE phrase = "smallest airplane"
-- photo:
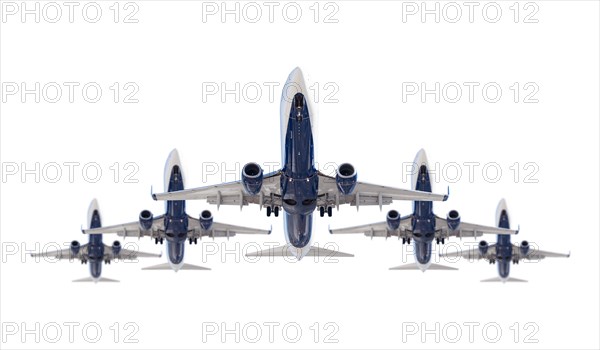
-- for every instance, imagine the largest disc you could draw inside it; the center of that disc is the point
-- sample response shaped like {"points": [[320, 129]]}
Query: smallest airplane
{"points": [[95, 252], [503, 251]]}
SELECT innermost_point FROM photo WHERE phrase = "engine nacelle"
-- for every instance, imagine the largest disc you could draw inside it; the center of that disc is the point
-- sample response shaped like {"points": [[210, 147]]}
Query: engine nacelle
{"points": [[453, 220], [75, 246], [206, 220], [393, 220], [524, 248], [346, 178], [252, 178], [116, 247], [483, 247], [145, 220]]}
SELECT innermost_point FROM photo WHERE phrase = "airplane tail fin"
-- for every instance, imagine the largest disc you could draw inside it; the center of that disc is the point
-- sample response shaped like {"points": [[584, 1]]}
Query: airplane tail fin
{"points": [[415, 266], [167, 266], [503, 280], [284, 250], [95, 280]]}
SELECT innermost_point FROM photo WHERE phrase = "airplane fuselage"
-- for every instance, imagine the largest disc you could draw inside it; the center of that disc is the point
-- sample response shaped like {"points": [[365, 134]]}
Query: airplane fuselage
{"points": [[423, 224], [95, 247], [299, 179], [176, 220], [504, 247]]}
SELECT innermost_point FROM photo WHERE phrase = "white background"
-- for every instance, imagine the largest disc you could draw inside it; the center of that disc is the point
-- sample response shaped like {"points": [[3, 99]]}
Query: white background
{"points": [[368, 54]]}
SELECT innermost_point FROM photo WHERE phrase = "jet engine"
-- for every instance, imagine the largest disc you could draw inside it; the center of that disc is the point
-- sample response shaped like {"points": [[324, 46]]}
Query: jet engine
{"points": [[75, 246], [116, 247], [393, 220], [453, 220], [206, 220], [483, 247], [524, 248], [346, 178], [145, 220], [252, 178]]}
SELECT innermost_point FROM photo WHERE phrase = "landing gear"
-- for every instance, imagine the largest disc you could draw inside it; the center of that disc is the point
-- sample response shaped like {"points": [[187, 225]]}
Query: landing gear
{"points": [[329, 211], [196, 241], [443, 239], [268, 211], [437, 241], [156, 241], [161, 241], [322, 211], [408, 240], [276, 211], [403, 240]]}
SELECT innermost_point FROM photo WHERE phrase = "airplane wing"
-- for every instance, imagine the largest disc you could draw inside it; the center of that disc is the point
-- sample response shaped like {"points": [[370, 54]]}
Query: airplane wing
{"points": [[132, 229], [379, 229], [220, 230], [536, 254], [231, 193], [126, 254], [473, 253], [63, 254], [368, 194], [466, 229]]}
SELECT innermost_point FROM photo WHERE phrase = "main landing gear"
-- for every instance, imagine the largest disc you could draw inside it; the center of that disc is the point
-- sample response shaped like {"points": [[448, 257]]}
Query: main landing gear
{"points": [[405, 240], [193, 240], [438, 240], [329, 211], [157, 240], [274, 210]]}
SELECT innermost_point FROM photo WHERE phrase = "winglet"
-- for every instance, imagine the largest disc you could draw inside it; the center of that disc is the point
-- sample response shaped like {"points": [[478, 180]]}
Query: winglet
{"points": [[448, 195], [82, 231], [518, 229], [152, 193], [329, 228], [270, 229]]}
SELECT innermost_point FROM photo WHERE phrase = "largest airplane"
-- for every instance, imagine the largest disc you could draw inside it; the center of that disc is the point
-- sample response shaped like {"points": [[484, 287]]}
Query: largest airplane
{"points": [[298, 187]]}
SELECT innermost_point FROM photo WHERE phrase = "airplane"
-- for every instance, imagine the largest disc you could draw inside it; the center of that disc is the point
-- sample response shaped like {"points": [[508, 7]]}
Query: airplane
{"points": [[503, 251], [95, 252], [422, 226], [175, 226], [298, 187]]}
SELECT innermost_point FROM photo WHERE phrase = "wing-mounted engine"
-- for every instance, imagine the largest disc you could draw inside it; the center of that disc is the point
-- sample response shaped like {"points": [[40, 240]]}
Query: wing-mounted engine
{"points": [[206, 220], [483, 247], [146, 220], [252, 178], [116, 247], [75, 247], [393, 220], [346, 178], [453, 220], [524, 248]]}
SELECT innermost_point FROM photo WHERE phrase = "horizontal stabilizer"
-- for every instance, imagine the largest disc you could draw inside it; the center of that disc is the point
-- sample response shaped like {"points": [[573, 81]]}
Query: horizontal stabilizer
{"points": [[415, 266], [503, 280], [95, 280], [168, 266], [285, 250]]}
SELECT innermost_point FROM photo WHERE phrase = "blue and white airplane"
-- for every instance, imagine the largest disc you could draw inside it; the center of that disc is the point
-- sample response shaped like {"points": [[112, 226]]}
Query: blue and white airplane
{"points": [[176, 226], [503, 251], [298, 187], [422, 226], [95, 252]]}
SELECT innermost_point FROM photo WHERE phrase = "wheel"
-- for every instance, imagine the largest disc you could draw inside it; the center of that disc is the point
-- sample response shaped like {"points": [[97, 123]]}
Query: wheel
{"points": [[276, 211], [408, 240], [443, 239], [190, 240], [403, 240], [156, 241], [322, 211], [268, 211], [329, 211], [161, 241], [437, 241]]}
